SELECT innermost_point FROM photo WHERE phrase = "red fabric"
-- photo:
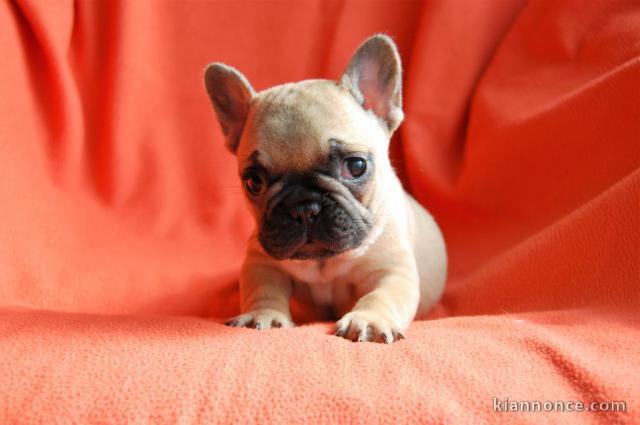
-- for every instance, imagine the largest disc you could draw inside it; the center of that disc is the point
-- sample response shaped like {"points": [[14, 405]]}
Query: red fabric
{"points": [[123, 223]]}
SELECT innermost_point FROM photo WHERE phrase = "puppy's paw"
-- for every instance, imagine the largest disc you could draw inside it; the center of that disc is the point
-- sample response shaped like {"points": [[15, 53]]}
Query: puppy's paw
{"points": [[261, 319], [363, 326]]}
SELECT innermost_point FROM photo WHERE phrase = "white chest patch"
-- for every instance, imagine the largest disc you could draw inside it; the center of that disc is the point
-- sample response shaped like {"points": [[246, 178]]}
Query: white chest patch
{"points": [[318, 272]]}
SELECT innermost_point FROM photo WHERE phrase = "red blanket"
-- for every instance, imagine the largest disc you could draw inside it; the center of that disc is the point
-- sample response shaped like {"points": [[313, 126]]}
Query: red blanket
{"points": [[122, 222]]}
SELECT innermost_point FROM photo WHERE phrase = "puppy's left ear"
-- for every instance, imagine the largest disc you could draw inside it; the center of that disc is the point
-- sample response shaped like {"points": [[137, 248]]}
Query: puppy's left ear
{"points": [[374, 78]]}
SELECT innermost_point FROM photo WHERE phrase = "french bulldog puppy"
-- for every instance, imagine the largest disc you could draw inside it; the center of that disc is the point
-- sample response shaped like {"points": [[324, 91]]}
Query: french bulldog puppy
{"points": [[333, 223]]}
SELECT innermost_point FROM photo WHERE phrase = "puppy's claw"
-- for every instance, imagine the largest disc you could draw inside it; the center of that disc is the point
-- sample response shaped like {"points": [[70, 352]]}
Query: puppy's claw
{"points": [[365, 334], [340, 332], [232, 322], [260, 326], [386, 338], [398, 335]]}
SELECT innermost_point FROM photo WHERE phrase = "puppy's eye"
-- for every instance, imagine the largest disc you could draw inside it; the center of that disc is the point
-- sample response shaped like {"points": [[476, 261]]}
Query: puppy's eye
{"points": [[254, 183], [353, 167]]}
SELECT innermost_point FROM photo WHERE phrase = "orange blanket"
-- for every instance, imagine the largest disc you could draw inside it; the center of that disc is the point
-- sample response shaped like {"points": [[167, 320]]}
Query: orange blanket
{"points": [[122, 223]]}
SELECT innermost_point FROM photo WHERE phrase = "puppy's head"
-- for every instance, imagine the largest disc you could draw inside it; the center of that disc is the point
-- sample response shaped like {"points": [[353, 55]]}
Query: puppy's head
{"points": [[312, 155]]}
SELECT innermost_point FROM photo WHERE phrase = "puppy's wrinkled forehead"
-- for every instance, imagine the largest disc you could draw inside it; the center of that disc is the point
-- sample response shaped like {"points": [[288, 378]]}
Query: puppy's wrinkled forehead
{"points": [[289, 126]]}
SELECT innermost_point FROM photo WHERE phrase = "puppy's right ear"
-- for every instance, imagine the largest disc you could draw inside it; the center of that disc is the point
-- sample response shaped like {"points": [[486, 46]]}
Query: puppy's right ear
{"points": [[231, 95]]}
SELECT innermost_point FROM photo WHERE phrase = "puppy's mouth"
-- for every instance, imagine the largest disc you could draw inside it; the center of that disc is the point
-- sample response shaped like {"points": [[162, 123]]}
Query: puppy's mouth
{"points": [[312, 223], [313, 250], [304, 249]]}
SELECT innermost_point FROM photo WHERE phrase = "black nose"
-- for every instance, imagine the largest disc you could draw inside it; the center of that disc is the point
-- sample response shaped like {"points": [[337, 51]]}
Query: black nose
{"points": [[305, 212]]}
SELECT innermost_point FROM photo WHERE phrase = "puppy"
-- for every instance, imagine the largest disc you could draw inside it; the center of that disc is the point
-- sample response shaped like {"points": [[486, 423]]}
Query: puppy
{"points": [[333, 223]]}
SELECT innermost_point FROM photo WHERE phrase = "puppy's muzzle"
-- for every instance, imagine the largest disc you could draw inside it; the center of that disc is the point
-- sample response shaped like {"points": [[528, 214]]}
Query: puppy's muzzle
{"points": [[309, 222]]}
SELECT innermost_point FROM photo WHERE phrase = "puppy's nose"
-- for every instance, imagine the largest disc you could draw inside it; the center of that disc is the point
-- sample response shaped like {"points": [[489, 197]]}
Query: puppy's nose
{"points": [[305, 212]]}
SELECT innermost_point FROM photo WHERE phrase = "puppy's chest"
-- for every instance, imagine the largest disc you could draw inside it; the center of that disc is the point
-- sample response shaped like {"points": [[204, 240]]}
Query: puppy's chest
{"points": [[318, 272], [322, 283]]}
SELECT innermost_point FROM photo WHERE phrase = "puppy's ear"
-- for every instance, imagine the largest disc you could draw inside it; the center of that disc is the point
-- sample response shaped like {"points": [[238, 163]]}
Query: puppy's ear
{"points": [[230, 94], [374, 78]]}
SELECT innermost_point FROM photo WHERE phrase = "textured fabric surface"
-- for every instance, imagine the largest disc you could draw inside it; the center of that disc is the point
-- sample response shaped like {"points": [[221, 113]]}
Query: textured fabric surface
{"points": [[123, 224]]}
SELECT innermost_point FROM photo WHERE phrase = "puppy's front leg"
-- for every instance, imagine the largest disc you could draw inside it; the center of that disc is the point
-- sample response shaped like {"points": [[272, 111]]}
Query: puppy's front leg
{"points": [[383, 314], [265, 292]]}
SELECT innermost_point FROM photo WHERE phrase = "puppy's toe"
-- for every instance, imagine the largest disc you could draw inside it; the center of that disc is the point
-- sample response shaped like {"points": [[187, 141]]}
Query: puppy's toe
{"points": [[264, 321], [397, 335], [343, 327], [360, 330], [239, 321], [367, 326], [384, 335], [365, 333], [261, 319]]}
